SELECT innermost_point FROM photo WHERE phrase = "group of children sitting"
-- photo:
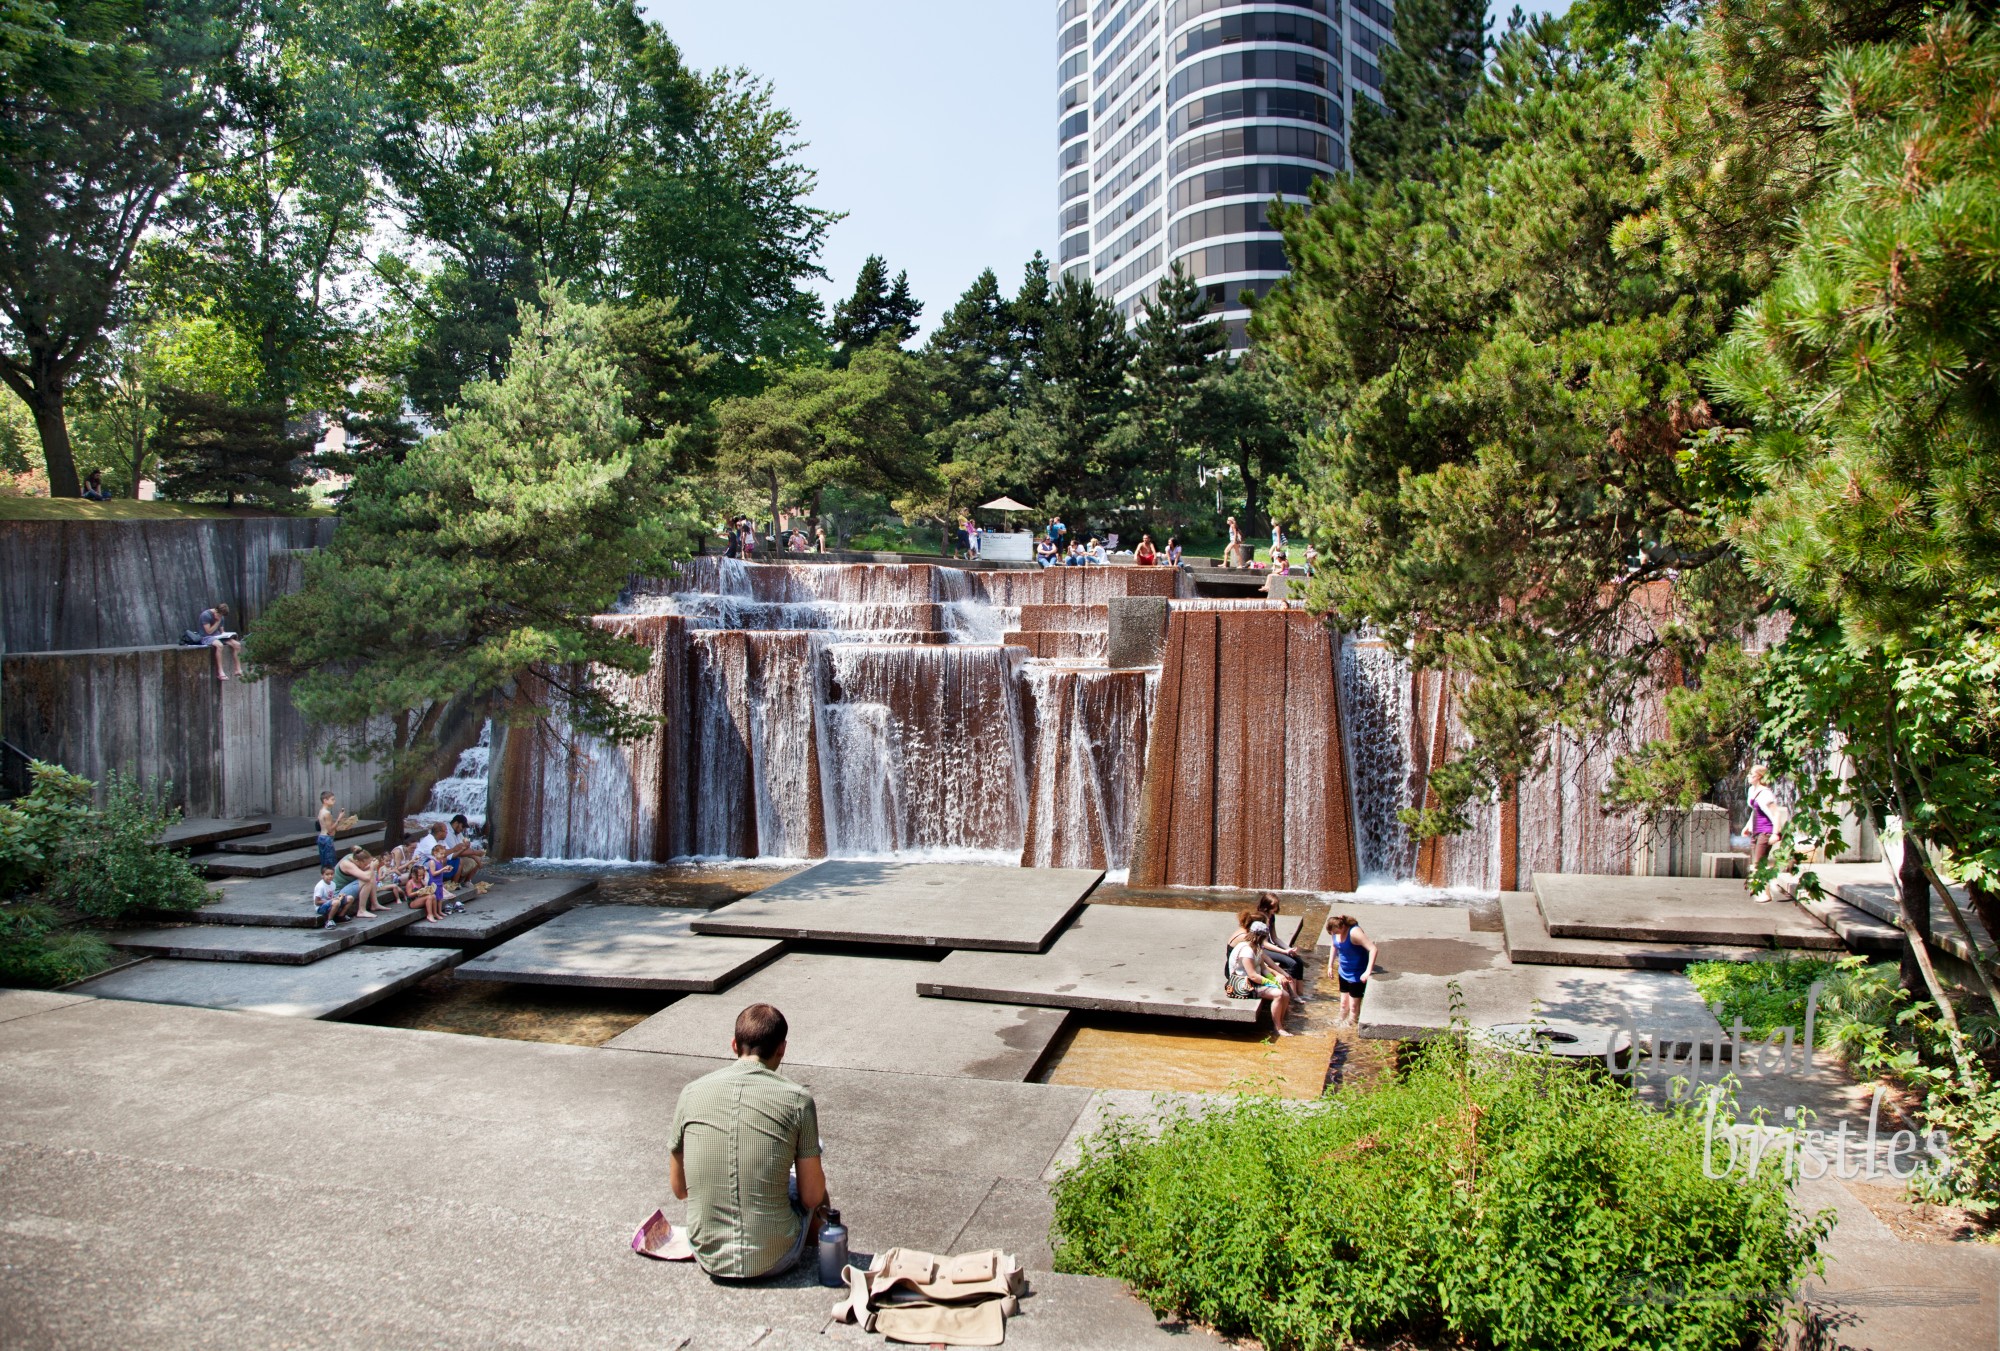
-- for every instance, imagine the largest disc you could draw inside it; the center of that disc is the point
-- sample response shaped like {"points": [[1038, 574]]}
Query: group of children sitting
{"points": [[430, 874]]}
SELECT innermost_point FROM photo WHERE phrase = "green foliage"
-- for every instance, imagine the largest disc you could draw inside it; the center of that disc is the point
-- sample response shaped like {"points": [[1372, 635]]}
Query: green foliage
{"points": [[1864, 366], [879, 309], [1509, 388], [1768, 995], [1514, 1203], [1429, 76], [110, 864], [34, 826], [484, 553], [209, 448], [103, 104], [37, 951], [1711, 724]]}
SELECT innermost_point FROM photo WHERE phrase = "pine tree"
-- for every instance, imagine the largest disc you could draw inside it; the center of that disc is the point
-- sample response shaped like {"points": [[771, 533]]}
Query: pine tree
{"points": [[1428, 77], [1175, 422], [210, 448], [878, 309], [972, 350]]}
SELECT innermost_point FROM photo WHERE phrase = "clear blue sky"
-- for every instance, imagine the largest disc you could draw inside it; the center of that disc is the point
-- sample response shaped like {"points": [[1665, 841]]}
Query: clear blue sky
{"points": [[931, 123]]}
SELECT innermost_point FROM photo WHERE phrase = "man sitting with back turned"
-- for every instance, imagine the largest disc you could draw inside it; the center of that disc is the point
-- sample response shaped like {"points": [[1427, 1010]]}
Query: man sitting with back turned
{"points": [[739, 1136]]}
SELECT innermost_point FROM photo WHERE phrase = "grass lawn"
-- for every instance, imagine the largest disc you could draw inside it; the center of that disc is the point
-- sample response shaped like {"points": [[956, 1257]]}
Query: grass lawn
{"points": [[119, 509]]}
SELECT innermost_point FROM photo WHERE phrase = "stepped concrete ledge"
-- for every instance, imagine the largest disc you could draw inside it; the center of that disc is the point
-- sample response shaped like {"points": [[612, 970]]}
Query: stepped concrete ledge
{"points": [[292, 832], [935, 905], [206, 830], [1869, 888], [1672, 910], [514, 904], [623, 947], [1113, 959], [1861, 931], [271, 865], [282, 901], [1528, 941], [242, 943], [134, 1132], [1410, 995], [860, 1013], [344, 983]]}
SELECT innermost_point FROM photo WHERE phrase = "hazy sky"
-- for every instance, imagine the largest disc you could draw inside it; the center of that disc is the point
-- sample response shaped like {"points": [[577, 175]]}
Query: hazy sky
{"points": [[931, 123]]}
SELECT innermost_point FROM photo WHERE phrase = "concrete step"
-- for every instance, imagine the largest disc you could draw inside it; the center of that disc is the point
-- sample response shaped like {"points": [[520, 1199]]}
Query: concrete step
{"points": [[1699, 910], [517, 903], [196, 832], [270, 865], [1877, 899], [340, 985], [1862, 932], [291, 832], [280, 947], [1529, 942]]}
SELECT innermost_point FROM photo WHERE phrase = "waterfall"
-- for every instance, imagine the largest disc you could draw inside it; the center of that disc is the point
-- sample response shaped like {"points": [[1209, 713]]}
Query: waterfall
{"points": [[1087, 759], [1375, 715], [463, 791]]}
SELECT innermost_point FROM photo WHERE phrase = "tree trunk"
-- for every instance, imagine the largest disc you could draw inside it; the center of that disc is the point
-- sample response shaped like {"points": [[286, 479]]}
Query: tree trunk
{"points": [[1249, 501], [1987, 906], [52, 425], [395, 807], [1913, 886], [774, 506]]}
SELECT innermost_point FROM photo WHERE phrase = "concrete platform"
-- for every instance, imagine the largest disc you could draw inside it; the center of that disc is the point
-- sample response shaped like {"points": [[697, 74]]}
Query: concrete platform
{"points": [[860, 1013], [156, 1158], [623, 947], [515, 904], [1113, 959], [283, 901], [1409, 996], [270, 865], [241, 943], [345, 983], [1869, 888], [1672, 910], [1528, 941], [291, 832], [201, 831], [936, 905], [1860, 931]]}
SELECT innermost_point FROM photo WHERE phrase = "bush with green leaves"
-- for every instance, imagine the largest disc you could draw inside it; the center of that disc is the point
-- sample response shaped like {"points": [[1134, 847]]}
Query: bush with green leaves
{"points": [[63, 858], [1511, 1201]]}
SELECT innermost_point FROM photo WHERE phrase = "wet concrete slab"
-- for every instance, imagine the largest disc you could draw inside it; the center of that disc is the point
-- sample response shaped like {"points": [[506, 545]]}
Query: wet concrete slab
{"points": [[512, 905], [344, 983], [1112, 959], [1417, 982], [623, 947], [243, 943], [933, 905], [1672, 910], [860, 1013], [1528, 941]]}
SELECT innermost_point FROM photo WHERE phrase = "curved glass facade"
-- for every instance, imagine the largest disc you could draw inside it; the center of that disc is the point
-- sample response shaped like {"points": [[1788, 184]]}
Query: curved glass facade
{"points": [[1196, 115]]}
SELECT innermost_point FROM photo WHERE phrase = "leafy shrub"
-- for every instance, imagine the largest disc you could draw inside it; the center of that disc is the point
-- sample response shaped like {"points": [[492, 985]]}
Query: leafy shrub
{"points": [[1509, 1200], [36, 951], [111, 863], [33, 827], [1768, 995]]}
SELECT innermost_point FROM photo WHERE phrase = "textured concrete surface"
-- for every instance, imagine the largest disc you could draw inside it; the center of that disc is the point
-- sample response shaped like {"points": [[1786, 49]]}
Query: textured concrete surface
{"points": [[1410, 994], [243, 943], [623, 947], [176, 1178], [223, 864], [513, 905], [1672, 910], [940, 905], [1869, 888], [283, 901], [1860, 930], [1529, 941], [344, 983], [291, 832], [1113, 959], [860, 1013], [206, 830], [1138, 631]]}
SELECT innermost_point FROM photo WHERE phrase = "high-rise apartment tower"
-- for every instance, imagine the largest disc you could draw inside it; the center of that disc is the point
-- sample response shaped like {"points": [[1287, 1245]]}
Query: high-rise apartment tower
{"points": [[1179, 120]]}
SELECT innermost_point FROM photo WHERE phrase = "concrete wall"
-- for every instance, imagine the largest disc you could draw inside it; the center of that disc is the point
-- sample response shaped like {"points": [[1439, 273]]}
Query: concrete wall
{"points": [[71, 586], [229, 748]]}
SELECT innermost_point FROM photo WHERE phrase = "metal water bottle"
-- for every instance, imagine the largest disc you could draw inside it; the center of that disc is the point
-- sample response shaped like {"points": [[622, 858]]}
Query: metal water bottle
{"points": [[832, 1250]]}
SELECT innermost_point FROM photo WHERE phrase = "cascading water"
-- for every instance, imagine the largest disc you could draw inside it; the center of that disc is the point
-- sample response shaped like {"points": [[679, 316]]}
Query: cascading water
{"points": [[1375, 716], [1087, 757], [463, 791]]}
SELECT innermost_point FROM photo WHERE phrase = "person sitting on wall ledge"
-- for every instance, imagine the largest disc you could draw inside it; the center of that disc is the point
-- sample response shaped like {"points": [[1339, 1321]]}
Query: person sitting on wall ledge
{"points": [[746, 1158], [1045, 553], [356, 874], [1145, 555], [1249, 975], [1097, 553], [329, 903], [459, 847], [216, 633]]}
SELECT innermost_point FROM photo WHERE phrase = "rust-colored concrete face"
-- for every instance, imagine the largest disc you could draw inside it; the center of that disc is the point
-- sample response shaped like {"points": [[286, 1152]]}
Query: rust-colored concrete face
{"points": [[1246, 785]]}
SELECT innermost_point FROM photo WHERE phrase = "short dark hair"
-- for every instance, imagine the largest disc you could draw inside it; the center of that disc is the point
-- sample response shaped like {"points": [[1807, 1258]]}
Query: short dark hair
{"points": [[760, 1031], [327, 794], [460, 820]]}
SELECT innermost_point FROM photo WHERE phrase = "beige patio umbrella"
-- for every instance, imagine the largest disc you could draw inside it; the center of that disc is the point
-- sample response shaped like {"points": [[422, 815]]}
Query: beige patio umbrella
{"points": [[1003, 504]]}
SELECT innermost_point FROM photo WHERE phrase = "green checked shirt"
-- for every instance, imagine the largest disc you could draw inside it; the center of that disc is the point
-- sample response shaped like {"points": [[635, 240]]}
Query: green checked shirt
{"points": [[738, 1132]]}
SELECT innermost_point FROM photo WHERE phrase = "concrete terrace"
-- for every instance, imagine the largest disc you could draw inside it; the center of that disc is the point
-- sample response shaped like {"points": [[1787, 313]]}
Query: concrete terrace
{"points": [[178, 1177]]}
